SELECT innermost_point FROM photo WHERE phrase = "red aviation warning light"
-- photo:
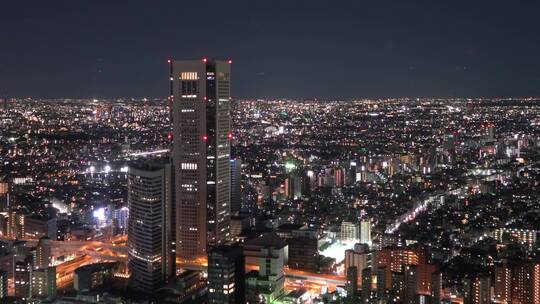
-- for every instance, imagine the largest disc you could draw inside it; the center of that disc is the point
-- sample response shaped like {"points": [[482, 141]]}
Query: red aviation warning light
{"points": [[229, 136], [229, 61], [168, 61], [205, 59], [205, 138]]}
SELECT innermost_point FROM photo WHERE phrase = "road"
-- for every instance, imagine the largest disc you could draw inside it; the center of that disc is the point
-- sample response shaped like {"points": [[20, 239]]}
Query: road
{"points": [[462, 191]]}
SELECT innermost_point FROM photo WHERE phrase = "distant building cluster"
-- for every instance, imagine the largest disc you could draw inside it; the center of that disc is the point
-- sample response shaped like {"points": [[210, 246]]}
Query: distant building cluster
{"points": [[200, 198]]}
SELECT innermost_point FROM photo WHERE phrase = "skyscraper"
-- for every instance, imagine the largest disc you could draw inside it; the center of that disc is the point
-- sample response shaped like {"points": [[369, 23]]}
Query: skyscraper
{"points": [[150, 232], [360, 258], [349, 232], [21, 277], [43, 283], [517, 282], [43, 253], [477, 289], [352, 281], [236, 186], [365, 232], [200, 97], [226, 275], [303, 250]]}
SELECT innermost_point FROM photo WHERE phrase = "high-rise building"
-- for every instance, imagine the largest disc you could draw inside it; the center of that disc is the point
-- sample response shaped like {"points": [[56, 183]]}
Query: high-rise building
{"points": [[267, 283], [21, 276], [236, 186], [43, 253], [43, 283], [294, 185], [349, 232], [15, 224], [200, 98], [365, 232], [436, 287], [303, 250], [382, 282], [517, 282], [226, 275], [39, 226], [352, 281], [121, 215], [366, 282], [3, 284], [94, 277], [360, 258], [477, 290], [411, 284], [150, 228]]}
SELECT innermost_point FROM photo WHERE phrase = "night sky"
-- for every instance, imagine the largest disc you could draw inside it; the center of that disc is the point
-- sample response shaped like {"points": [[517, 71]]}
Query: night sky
{"points": [[303, 49]]}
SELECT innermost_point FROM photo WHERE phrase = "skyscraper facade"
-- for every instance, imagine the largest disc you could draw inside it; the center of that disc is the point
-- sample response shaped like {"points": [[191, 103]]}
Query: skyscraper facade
{"points": [[21, 276], [200, 103], [349, 232], [352, 281], [43, 283], [236, 186], [365, 232], [43, 253], [150, 233]]}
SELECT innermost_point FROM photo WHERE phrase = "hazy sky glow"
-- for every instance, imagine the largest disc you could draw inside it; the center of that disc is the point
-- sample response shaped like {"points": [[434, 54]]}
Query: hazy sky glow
{"points": [[104, 48]]}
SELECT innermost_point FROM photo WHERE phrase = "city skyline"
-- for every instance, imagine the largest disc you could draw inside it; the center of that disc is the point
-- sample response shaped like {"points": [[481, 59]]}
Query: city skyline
{"points": [[222, 192]]}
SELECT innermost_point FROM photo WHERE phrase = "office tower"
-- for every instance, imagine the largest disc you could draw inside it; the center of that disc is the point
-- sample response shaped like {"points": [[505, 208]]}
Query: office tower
{"points": [[366, 282], [3, 284], [236, 185], [436, 288], [200, 97], [361, 259], [382, 282], [121, 216], [239, 224], [294, 186], [398, 285], [411, 284], [424, 278], [477, 290], [43, 283], [21, 277], [303, 250], [15, 225], [226, 275], [352, 281], [35, 226], [150, 233], [94, 277], [267, 283], [365, 232], [349, 232], [43, 253]]}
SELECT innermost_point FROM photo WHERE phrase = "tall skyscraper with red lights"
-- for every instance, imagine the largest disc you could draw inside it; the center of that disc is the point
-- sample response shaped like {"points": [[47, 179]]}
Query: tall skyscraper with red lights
{"points": [[200, 97]]}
